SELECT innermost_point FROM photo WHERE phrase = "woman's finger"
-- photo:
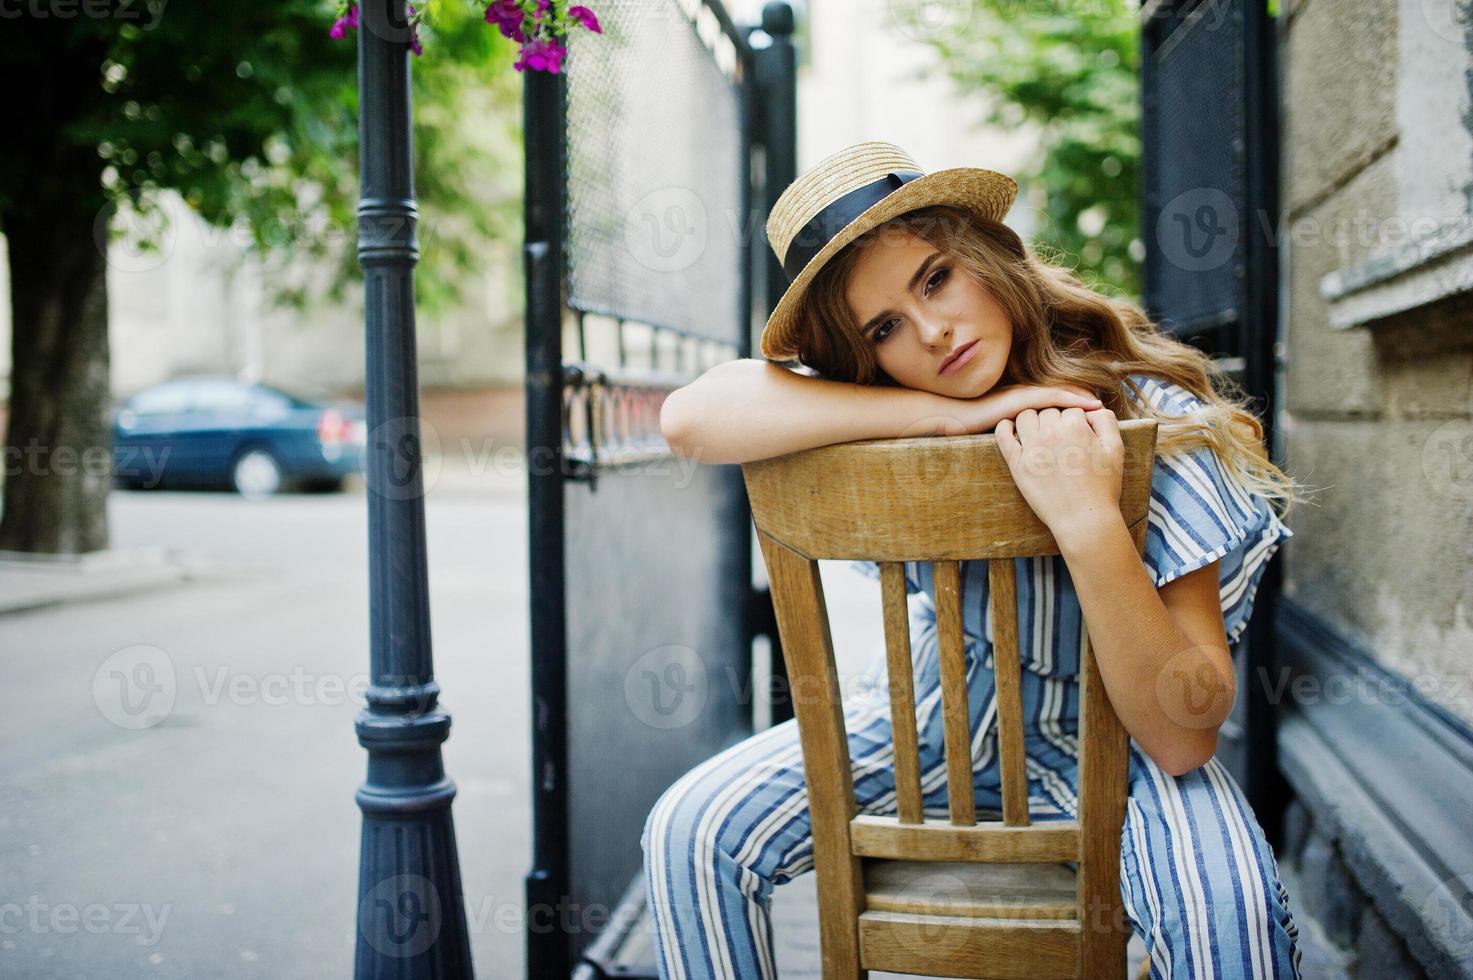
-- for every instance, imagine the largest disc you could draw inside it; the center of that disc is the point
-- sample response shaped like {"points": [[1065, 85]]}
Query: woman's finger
{"points": [[1103, 421], [1027, 424], [1049, 418], [1006, 440]]}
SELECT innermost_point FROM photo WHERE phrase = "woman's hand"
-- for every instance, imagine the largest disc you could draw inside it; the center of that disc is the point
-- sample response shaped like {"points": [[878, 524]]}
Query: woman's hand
{"points": [[1069, 465]]}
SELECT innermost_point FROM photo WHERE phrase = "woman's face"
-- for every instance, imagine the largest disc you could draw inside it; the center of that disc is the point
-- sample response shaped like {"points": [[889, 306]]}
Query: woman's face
{"points": [[916, 307]]}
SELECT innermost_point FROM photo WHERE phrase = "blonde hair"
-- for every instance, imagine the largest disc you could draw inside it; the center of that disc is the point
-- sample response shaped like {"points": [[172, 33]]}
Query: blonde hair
{"points": [[1064, 332]]}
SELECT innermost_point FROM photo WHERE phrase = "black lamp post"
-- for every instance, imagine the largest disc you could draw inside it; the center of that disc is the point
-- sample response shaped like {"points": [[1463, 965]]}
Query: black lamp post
{"points": [[411, 914]]}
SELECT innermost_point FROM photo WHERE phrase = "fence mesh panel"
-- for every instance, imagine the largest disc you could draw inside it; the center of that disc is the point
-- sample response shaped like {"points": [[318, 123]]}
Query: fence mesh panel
{"points": [[1202, 231], [654, 137]]}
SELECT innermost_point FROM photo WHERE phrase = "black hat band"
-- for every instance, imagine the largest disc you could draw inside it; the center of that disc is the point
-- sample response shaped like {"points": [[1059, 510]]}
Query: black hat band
{"points": [[822, 227]]}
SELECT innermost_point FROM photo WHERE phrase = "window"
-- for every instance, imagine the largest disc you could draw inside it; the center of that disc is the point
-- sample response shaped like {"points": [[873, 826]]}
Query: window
{"points": [[166, 399], [218, 395]]}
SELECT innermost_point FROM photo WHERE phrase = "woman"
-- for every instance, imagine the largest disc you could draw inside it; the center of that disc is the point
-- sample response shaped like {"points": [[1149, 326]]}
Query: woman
{"points": [[920, 312]]}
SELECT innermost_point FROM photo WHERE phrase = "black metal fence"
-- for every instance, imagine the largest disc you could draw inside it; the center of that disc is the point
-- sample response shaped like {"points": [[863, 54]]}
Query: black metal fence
{"points": [[640, 242], [1209, 178]]}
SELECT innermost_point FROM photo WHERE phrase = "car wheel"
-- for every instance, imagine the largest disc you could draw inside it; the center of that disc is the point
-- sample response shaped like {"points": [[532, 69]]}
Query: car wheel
{"points": [[256, 474]]}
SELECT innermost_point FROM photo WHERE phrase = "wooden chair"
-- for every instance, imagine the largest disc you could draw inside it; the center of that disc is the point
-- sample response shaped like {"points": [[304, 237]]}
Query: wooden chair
{"points": [[962, 898]]}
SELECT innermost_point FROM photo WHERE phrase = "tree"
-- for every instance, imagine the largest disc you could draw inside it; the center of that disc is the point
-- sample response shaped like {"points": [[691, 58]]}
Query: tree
{"points": [[1071, 71], [249, 111]]}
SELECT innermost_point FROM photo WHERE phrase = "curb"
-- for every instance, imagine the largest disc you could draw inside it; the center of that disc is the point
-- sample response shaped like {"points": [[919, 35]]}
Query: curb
{"points": [[34, 581]]}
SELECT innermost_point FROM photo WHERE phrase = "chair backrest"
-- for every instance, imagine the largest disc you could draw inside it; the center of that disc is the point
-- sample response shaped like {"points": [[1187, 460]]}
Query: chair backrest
{"points": [[943, 500]]}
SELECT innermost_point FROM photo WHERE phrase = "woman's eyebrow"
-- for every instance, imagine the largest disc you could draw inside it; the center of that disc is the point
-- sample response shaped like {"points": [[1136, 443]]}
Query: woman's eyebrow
{"points": [[875, 320]]}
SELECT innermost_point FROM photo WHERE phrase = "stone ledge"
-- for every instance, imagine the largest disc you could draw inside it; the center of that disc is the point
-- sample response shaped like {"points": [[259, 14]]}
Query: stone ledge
{"points": [[1418, 273], [1385, 781]]}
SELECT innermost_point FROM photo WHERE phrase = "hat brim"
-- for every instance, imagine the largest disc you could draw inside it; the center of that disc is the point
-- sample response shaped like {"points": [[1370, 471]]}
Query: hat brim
{"points": [[986, 193]]}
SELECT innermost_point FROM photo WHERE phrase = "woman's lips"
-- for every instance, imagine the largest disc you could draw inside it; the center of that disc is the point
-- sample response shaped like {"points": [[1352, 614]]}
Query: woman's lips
{"points": [[960, 359]]}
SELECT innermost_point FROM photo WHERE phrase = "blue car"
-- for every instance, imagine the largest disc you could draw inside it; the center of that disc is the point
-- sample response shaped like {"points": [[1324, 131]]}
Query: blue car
{"points": [[213, 431]]}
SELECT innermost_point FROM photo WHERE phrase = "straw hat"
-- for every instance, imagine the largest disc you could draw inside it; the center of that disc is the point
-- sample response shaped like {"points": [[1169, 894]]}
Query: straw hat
{"points": [[848, 193]]}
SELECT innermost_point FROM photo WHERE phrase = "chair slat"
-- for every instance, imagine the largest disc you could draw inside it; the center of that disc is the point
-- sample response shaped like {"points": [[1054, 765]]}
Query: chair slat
{"points": [[1007, 673], [971, 889], [902, 693], [946, 946], [881, 836], [808, 649], [1103, 771], [955, 715]]}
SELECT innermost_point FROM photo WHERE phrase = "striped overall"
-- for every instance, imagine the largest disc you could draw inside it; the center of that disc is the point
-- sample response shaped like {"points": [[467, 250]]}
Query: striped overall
{"points": [[1198, 880]]}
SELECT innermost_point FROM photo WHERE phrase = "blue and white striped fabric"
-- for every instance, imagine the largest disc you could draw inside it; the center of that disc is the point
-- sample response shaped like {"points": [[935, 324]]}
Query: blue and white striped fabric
{"points": [[1198, 879], [1200, 514]]}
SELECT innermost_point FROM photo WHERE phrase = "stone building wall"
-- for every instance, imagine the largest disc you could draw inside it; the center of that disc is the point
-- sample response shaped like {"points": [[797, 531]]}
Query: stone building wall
{"points": [[1376, 248]]}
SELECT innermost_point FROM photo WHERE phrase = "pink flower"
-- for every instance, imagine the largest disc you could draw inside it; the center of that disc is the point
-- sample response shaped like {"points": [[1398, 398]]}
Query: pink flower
{"points": [[585, 17], [414, 44], [540, 55], [342, 24], [507, 16]]}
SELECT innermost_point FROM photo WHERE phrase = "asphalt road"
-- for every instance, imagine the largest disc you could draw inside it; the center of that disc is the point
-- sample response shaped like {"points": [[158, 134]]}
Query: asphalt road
{"points": [[222, 841]]}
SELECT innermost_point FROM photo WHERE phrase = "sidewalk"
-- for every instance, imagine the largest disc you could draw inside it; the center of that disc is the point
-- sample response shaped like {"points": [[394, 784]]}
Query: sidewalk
{"points": [[32, 581]]}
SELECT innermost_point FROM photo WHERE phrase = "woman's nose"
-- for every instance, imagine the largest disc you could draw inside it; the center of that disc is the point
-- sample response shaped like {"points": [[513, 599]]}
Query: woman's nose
{"points": [[933, 333]]}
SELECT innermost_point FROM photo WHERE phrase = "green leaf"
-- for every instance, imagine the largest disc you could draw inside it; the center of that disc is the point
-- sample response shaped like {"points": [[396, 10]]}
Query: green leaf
{"points": [[1074, 79]]}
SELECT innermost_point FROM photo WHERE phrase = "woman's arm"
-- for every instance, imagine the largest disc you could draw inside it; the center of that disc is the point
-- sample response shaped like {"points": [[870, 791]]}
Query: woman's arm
{"points": [[749, 409], [1163, 654]]}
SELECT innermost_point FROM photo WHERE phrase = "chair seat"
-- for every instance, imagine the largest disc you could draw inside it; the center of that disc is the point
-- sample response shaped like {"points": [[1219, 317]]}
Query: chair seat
{"points": [[971, 890]]}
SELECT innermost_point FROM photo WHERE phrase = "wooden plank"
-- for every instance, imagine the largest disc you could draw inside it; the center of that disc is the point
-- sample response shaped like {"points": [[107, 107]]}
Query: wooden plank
{"points": [[902, 693], [970, 890], [1102, 791], [1007, 670], [960, 500], [1103, 772], [957, 947], [808, 649], [956, 721], [875, 835]]}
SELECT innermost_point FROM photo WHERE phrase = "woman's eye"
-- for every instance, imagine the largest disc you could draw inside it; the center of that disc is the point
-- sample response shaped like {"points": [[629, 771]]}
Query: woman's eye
{"points": [[934, 282]]}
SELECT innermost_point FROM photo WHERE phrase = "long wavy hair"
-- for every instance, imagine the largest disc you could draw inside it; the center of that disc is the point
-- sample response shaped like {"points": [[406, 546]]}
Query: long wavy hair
{"points": [[1064, 332]]}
